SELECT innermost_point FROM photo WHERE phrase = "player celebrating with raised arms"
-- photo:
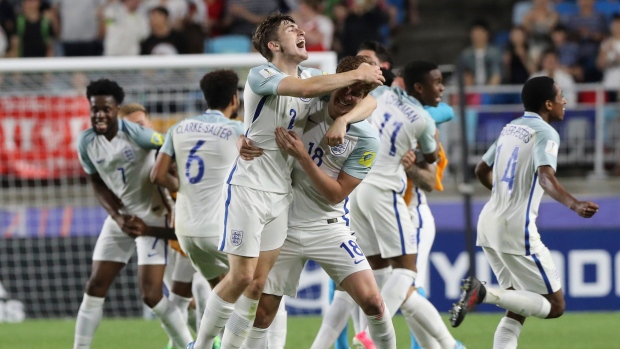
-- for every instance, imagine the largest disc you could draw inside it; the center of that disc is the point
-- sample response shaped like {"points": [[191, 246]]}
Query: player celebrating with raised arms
{"points": [[518, 168], [117, 157], [318, 221], [254, 221]]}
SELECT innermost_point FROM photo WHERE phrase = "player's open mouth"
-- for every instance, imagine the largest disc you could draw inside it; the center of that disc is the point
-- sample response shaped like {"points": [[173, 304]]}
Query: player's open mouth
{"points": [[301, 43], [438, 99], [101, 125], [342, 103]]}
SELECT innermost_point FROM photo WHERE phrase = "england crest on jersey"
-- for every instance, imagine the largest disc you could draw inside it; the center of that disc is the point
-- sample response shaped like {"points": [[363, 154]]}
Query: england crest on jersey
{"points": [[340, 149]]}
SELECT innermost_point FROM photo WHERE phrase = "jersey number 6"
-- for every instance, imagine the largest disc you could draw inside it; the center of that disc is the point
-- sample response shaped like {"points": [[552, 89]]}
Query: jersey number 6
{"points": [[195, 158]]}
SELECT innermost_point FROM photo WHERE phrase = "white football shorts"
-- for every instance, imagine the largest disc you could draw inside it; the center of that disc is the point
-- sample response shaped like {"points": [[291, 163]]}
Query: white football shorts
{"points": [[424, 230], [534, 273], [204, 255], [334, 247], [253, 220], [114, 245], [382, 222]]}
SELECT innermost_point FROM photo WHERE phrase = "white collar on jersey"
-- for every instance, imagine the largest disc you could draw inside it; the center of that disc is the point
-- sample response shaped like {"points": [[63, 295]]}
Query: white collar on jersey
{"points": [[299, 70], [213, 111], [531, 115]]}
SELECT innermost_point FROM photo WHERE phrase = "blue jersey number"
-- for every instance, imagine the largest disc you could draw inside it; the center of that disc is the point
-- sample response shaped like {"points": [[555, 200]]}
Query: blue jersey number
{"points": [[318, 154], [397, 127], [195, 158], [509, 173], [293, 114], [353, 250], [122, 174], [386, 118]]}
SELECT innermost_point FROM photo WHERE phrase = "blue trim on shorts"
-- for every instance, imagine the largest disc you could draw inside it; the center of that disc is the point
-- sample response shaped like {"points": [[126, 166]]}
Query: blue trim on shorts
{"points": [[226, 216], [346, 211], [154, 243], [527, 216], [420, 221], [542, 272], [400, 227]]}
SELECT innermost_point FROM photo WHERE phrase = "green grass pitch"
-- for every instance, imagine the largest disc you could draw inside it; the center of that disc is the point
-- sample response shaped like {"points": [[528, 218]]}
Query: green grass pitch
{"points": [[573, 330]]}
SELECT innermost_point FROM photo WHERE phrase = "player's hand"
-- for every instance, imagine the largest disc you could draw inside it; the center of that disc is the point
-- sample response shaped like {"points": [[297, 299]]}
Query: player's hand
{"points": [[290, 142], [120, 219], [408, 159], [585, 209], [247, 151], [134, 227], [370, 74], [336, 132]]}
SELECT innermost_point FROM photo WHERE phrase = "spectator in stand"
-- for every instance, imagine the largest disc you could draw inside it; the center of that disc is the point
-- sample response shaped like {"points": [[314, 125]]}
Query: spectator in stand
{"points": [[4, 42], [7, 17], [177, 10], [319, 28], [123, 28], [242, 16], [163, 39], [568, 52], [79, 33], [590, 27], [34, 33], [363, 22], [518, 65], [482, 63], [538, 23], [194, 26], [215, 16], [550, 66], [609, 58]]}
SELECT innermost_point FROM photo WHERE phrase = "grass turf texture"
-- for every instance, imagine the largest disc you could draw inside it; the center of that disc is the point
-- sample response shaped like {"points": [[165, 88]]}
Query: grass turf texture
{"points": [[573, 330]]}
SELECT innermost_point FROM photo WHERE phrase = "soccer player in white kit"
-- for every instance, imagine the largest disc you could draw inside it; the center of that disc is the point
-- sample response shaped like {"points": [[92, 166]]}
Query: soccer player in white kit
{"points": [[258, 192], [518, 168], [117, 156], [380, 216], [318, 219]]}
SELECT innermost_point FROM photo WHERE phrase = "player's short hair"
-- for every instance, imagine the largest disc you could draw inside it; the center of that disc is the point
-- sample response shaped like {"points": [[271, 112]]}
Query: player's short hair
{"points": [[536, 92], [219, 87], [131, 108], [160, 9], [267, 31], [105, 87], [415, 72], [379, 50], [353, 62]]}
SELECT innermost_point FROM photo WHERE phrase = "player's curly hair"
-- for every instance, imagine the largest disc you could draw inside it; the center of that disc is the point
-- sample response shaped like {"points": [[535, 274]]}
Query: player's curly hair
{"points": [[416, 72], [268, 31], [105, 87], [536, 92], [353, 62], [219, 87]]}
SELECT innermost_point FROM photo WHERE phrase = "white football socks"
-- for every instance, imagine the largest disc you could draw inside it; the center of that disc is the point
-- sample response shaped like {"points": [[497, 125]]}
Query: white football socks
{"points": [[507, 334], [395, 289], [381, 330], [276, 333], [256, 339], [181, 303], [422, 316], [334, 320], [88, 319], [173, 323], [381, 276], [240, 323], [524, 303], [217, 312]]}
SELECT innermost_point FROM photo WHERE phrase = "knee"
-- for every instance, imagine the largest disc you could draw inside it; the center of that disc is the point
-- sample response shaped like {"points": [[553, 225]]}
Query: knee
{"points": [[97, 287], [264, 317], [255, 288], [557, 309], [151, 296], [372, 304]]}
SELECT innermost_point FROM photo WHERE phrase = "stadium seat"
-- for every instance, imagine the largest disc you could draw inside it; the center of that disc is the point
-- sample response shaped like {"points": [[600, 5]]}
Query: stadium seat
{"points": [[577, 139], [228, 44], [565, 9], [501, 39], [609, 9]]}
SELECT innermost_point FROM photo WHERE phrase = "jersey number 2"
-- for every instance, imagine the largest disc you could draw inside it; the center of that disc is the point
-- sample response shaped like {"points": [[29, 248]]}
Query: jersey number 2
{"points": [[195, 158]]}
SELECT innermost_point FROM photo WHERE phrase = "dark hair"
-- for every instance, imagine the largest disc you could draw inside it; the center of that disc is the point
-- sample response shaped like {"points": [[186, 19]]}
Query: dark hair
{"points": [[379, 50], [353, 62], [480, 23], [536, 92], [219, 87], [105, 87], [267, 31], [615, 17], [560, 28], [415, 72], [162, 10], [389, 76]]}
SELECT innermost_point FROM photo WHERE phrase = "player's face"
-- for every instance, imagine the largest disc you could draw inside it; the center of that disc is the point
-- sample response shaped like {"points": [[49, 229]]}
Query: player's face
{"points": [[345, 99], [103, 111], [432, 89], [292, 41], [139, 117], [557, 105]]}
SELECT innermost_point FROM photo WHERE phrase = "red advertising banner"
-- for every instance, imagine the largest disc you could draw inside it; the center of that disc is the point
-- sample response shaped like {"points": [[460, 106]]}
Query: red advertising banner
{"points": [[38, 135]]}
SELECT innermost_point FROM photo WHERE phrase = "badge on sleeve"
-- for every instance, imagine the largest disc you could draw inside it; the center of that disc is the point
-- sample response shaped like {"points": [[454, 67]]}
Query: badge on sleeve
{"points": [[367, 158], [268, 72], [552, 148], [157, 138]]}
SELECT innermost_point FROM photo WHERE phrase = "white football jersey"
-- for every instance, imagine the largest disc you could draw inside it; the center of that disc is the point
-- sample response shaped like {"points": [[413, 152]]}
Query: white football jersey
{"points": [[204, 147], [355, 157], [264, 111], [507, 221], [124, 164], [402, 124]]}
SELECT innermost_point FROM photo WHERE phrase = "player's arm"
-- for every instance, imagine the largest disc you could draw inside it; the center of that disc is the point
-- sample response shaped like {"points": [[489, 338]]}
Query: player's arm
{"points": [[484, 169], [551, 186], [427, 142], [322, 85], [108, 200], [136, 227], [333, 190], [145, 137], [421, 173], [161, 175], [335, 134], [441, 113]]}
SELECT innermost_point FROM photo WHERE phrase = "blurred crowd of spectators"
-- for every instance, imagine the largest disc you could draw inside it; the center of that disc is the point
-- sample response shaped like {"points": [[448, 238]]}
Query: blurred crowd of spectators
{"points": [[571, 41], [43, 28]]}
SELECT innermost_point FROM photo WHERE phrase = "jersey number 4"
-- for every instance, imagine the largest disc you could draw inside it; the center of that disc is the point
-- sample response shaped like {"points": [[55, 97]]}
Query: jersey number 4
{"points": [[509, 172], [195, 158]]}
